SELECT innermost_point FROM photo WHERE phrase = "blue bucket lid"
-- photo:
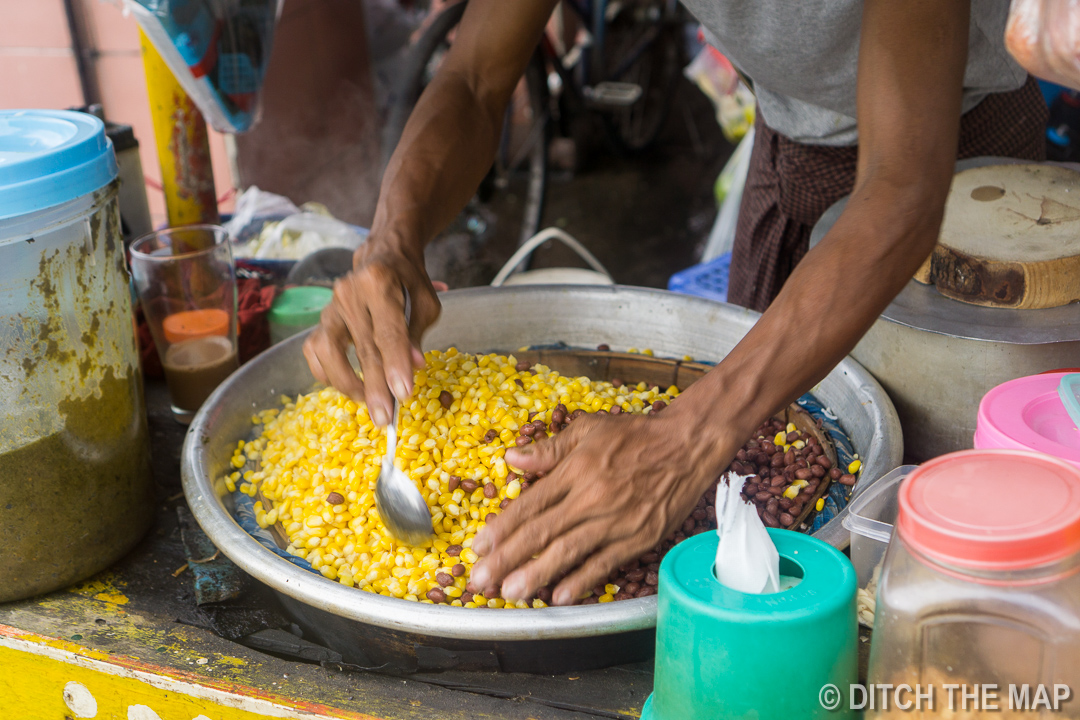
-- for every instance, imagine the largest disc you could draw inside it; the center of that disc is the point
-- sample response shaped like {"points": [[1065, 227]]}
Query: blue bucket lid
{"points": [[48, 157]]}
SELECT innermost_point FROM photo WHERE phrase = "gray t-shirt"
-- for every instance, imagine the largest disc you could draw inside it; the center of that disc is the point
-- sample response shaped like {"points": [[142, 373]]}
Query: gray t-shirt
{"points": [[802, 57]]}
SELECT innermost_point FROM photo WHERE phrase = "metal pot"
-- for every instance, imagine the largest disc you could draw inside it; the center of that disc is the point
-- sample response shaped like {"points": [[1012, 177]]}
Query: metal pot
{"points": [[376, 631], [936, 357]]}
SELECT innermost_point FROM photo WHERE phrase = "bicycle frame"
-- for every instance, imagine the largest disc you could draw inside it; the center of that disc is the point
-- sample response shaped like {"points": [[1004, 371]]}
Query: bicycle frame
{"points": [[593, 16]]}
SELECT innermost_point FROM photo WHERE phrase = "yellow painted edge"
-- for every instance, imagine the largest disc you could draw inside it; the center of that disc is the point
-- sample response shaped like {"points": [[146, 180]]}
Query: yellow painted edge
{"points": [[37, 669]]}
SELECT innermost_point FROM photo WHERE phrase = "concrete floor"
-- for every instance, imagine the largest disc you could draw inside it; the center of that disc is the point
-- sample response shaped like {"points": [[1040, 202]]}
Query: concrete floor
{"points": [[644, 217]]}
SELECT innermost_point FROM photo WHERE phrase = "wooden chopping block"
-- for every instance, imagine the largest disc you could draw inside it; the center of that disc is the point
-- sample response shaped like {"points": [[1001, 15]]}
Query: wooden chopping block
{"points": [[1010, 238]]}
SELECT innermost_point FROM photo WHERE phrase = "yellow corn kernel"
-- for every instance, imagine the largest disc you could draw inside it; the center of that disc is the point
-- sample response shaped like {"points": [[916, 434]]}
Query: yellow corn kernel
{"points": [[854, 467], [820, 504], [791, 493], [605, 598], [322, 442], [611, 588], [780, 438]]}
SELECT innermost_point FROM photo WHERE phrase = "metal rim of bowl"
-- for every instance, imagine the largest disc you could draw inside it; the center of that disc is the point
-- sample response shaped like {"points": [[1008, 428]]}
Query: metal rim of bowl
{"points": [[393, 613]]}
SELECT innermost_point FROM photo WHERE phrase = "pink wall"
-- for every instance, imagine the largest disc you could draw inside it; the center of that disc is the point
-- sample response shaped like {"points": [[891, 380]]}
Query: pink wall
{"points": [[38, 70]]}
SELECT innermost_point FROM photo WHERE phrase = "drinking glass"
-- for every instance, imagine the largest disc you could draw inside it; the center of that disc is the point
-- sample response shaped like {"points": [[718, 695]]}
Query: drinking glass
{"points": [[186, 284]]}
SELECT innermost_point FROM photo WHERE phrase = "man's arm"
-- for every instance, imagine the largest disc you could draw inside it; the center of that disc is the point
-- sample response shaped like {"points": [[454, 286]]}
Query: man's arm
{"points": [[445, 150], [616, 486]]}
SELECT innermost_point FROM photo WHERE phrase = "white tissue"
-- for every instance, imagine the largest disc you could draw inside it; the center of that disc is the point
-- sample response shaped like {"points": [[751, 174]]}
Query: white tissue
{"points": [[746, 559]]}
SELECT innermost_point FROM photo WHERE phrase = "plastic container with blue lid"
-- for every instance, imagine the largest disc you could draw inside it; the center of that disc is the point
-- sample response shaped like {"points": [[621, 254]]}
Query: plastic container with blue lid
{"points": [[74, 448], [48, 157]]}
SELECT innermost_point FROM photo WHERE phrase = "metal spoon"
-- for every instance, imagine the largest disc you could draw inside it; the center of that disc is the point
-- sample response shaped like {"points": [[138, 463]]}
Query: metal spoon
{"points": [[400, 504]]}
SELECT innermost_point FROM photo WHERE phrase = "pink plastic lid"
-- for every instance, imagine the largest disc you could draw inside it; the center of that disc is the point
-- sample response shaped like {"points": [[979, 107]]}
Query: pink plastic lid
{"points": [[1027, 414], [992, 509]]}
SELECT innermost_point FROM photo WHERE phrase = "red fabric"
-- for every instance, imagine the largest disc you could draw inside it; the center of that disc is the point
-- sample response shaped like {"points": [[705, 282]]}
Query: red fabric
{"points": [[252, 305], [253, 302]]}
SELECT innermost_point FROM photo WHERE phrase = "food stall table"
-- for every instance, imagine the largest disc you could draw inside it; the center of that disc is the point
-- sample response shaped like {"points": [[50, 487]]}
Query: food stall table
{"points": [[132, 643]]}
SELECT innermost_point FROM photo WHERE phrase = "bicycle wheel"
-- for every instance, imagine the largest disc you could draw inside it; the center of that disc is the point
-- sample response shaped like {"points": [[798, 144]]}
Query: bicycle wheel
{"points": [[643, 45], [507, 207]]}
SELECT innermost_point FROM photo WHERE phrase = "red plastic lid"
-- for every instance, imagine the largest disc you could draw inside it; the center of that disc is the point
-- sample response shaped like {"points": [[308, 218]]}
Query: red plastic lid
{"points": [[992, 509]]}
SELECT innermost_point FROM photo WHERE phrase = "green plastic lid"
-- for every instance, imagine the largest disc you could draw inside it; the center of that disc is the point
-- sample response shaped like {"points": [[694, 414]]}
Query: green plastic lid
{"points": [[300, 305]]}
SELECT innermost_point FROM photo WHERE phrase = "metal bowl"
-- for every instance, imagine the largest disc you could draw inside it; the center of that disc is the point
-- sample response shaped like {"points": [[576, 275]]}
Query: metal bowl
{"points": [[376, 631]]}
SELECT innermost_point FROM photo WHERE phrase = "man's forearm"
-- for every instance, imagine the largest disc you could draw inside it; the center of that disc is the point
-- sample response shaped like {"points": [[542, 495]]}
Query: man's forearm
{"points": [[831, 299], [445, 151]]}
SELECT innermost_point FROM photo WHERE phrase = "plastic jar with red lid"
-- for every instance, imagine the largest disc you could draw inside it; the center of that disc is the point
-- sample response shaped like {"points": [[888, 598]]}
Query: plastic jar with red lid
{"points": [[981, 583]]}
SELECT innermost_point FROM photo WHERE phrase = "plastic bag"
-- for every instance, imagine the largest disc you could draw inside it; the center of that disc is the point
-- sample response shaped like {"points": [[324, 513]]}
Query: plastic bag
{"points": [[218, 50], [746, 559], [255, 204], [1044, 37], [729, 191]]}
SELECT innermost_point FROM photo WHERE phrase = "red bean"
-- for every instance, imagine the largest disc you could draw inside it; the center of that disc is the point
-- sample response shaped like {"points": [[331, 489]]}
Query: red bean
{"points": [[632, 588], [544, 594], [446, 399], [658, 406], [636, 575], [523, 440], [453, 550], [847, 479], [457, 571], [466, 597], [504, 504], [649, 557], [444, 579], [490, 435], [603, 347], [527, 429], [646, 591], [786, 520], [490, 517], [490, 491], [334, 498], [523, 365], [835, 473], [817, 471], [436, 595], [469, 485], [823, 461], [652, 578], [454, 482]]}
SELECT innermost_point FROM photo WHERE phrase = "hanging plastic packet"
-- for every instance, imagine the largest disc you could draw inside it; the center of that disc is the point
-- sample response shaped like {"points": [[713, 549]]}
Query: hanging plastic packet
{"points": [[1044, 37], [746, 559], [217, 49]]}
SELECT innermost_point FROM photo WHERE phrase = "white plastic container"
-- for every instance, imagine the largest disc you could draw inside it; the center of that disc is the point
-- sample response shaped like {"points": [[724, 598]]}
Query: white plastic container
{"points": [[75, 481], [870, 519]]}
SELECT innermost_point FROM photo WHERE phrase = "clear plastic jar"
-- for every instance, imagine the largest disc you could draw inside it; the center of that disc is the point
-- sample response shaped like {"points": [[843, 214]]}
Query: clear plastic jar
{"points": [[980, 589]]}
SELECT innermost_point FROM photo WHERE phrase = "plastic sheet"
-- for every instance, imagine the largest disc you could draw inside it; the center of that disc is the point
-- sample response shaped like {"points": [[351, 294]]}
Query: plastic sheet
{"points": [[218, 50], [1044, 37]]}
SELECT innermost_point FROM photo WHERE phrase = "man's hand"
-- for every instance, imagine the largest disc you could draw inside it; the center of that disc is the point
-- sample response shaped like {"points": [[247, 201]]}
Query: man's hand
{"points": [[368, 311], [616, 486]]}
